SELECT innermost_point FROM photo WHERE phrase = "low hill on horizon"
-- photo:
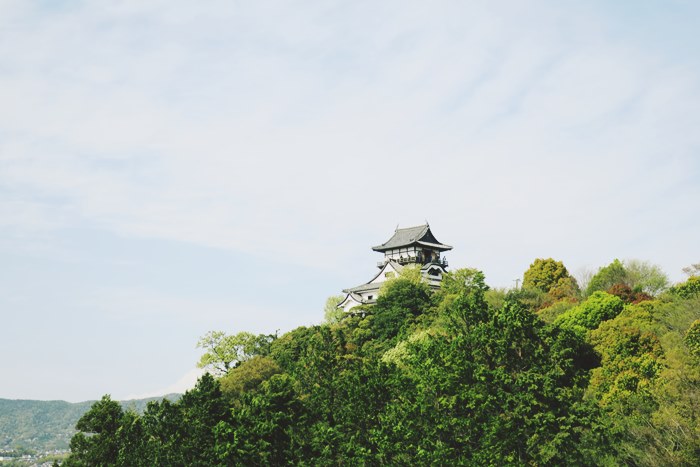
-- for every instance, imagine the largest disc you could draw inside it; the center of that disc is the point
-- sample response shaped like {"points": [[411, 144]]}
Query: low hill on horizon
{"points": [[49, 425]]}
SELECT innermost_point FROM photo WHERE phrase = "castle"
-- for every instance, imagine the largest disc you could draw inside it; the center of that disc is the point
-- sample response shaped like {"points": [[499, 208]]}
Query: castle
{"points": [[416, 246]]}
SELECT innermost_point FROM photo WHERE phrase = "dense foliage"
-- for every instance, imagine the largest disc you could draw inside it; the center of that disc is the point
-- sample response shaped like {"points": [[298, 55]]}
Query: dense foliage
{"points": [[461, 376]]}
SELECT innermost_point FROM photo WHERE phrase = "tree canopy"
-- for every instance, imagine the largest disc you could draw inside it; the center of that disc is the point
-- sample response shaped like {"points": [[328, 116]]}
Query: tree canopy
{"points": [[545, 274], [223, 351], [462, 376]]}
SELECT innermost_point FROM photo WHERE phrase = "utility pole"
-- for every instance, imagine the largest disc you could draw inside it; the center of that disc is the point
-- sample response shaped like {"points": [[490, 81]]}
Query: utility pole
{"points": [[517, 283]]}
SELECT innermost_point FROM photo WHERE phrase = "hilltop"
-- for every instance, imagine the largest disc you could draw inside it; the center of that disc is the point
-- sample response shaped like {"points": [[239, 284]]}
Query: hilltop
{"points": [[552, 373]]}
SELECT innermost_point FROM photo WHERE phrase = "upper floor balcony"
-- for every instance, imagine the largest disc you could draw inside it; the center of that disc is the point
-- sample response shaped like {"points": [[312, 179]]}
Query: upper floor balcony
{"points": [[419, 259]]}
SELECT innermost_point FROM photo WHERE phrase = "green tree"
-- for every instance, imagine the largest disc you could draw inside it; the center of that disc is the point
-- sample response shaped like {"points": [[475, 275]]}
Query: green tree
{"points": [[399, 304], [692, 338], [263, 428], [462, 281], [202, 409], [648, 384], [224, 351], [132, 441], [248, 376], [546, 274], [163, 421], [646, 277], [96, 442], [587, 315], [480, 391], [331, 313], [411, 273], [607, 276], [687, 289], [183, 433], [550, 313]]}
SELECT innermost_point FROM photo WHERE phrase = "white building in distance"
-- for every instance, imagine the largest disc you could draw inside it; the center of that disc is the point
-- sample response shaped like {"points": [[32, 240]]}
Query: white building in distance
{"points": [[410, 246]]}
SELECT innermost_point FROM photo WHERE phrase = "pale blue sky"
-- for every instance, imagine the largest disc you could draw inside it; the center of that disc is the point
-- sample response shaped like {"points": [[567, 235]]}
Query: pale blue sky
{"points": [[169, 168]]}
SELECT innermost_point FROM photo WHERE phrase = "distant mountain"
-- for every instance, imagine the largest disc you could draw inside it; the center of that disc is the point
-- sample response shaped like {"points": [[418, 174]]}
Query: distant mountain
{"points": [[48, 425]]}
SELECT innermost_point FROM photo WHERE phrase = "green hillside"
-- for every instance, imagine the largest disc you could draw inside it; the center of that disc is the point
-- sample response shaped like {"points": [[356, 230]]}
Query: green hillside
{"points": [[553, 373], [46, 425]]}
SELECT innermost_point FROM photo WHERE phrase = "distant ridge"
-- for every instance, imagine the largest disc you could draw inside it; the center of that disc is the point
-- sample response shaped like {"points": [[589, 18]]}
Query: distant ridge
{"points": [[49, 425]]}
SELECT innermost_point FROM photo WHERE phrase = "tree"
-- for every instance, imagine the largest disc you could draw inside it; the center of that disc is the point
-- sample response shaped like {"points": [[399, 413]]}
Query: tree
{"points": [[692, 338], [247, 376], [263, 426], [331, 313], [133, 441], [628, 295], [692, 270], [463, 281], [400, 302], [224, 352], [163, 421], [687, 289], [477, 389], [565, 288], [96, 442], [648, 384], [597, 308], [646, 277], [545, 274], [607, 276], [202, 409], [411, 273]]}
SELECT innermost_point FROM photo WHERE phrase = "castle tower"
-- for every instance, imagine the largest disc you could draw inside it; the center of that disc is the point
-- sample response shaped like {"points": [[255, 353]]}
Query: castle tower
{"points": [[410, 246]]}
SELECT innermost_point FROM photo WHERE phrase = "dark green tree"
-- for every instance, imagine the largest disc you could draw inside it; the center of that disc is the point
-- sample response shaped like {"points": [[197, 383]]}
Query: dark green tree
{"points": [[163, 421], [400, 303], [202, 408], [96, 442], [264, 426], [495, 387]]}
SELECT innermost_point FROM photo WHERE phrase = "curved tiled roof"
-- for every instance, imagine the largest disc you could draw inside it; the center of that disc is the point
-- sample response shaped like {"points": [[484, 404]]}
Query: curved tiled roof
{"points": [[420, 234]]}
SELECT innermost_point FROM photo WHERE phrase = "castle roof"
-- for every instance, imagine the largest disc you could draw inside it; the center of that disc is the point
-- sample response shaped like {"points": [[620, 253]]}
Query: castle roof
{"points": [[419, 235]]}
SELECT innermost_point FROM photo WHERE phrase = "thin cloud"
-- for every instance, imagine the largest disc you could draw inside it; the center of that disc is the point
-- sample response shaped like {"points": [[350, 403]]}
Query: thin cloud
{"points": [[301, 134]]}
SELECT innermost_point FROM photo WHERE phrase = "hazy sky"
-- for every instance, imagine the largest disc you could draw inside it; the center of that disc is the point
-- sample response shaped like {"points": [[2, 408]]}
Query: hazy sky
{"points": [[173, 167]]}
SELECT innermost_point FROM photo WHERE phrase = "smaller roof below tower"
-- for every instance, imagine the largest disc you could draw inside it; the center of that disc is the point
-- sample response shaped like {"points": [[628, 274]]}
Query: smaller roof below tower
{"points": [[419, 235]]}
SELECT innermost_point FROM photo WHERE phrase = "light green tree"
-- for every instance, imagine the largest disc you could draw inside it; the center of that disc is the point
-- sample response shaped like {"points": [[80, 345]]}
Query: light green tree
{"points": [[543, 274], [248, 376], [412, 273], [646, 277], [223, 351], [687, 289], [331, 313], [587, 315], [640, 276]]}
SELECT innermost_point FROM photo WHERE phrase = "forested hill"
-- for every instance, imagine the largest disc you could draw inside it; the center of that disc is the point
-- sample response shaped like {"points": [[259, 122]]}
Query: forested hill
{"points": [[553, 373], [47, 425]]}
